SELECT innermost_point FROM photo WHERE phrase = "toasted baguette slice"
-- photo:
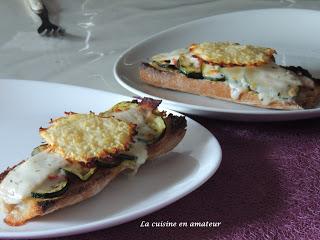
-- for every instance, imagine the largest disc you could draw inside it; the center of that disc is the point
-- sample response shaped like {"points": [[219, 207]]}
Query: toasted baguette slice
{"points": [[80, 190], [173, 79]]}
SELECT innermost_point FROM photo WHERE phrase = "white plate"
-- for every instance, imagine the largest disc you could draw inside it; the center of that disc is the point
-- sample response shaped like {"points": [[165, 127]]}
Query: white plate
{"points": [[290, 31], [27, 105]]}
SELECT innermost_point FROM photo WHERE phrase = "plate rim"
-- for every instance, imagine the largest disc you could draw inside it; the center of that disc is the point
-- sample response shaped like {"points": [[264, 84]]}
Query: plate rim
{"points": [[269, 112], [107, 223]]}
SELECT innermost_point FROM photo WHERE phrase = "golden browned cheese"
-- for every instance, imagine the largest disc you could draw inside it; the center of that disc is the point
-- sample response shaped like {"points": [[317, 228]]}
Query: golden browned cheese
{"points": [[84, 137], [226, 53]]}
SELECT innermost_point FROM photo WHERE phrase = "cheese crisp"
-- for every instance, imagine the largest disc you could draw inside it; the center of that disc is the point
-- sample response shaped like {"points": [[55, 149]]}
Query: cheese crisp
{"points": [[84, 137], [226, 53]]}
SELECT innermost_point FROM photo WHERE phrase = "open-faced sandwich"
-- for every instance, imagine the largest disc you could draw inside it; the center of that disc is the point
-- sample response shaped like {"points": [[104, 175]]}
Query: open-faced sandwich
{"points": [[83, 153], [243, 74]]}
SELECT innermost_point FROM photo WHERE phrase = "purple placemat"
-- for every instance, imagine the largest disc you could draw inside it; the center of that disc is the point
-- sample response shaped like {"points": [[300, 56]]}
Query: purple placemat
{"points": [[267, 187]]}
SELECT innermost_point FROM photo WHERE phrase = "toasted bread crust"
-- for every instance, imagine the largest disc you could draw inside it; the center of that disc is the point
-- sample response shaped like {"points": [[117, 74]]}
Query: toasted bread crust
{"points": [[177, 81], [80, 190]]}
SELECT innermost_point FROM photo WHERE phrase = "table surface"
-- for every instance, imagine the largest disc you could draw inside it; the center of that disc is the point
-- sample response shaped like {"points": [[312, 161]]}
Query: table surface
{"points": [[268, 183]]}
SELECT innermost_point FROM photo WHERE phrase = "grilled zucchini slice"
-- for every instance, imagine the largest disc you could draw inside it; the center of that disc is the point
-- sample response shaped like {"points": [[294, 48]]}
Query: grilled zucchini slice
{"points": [[189, 68], [54, 186], [84, 173], [39, 149], [116, 161]]}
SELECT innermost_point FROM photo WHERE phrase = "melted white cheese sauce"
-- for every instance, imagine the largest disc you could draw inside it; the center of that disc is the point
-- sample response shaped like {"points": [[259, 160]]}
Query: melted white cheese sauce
{"points": [[133, 115], [212, 72], [237, 87], [24, 178], [270, 81], [139, 148]]}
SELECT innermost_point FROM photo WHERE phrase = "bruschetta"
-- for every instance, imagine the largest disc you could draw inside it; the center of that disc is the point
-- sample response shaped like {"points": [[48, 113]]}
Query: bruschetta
{"points": [[244, 74], [82, 153]]}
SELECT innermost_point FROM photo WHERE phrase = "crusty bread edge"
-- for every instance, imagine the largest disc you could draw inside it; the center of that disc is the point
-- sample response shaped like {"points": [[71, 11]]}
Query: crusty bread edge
{"points": [[175, 80], [81, 190]]}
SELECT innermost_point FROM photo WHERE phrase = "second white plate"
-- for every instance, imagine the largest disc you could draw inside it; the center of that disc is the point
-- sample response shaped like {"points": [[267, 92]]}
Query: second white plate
{"points": [[290, 31]]}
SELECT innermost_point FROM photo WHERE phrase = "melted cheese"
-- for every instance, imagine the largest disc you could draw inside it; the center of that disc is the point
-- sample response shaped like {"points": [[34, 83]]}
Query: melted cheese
{"points": [[24, 178], [226, 53], [191, 60], [270, 81], [212, 72], [139, 148], [136, 116], [82, 137], [237, 88]]}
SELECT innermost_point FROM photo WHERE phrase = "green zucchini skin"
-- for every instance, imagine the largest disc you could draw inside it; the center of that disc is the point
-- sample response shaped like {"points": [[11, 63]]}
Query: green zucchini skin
{"points": [[194, 75], [59, 190], [39, 149], [82, 173], [109, 164], [122, 157], [188, 68], [116, 161]]}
